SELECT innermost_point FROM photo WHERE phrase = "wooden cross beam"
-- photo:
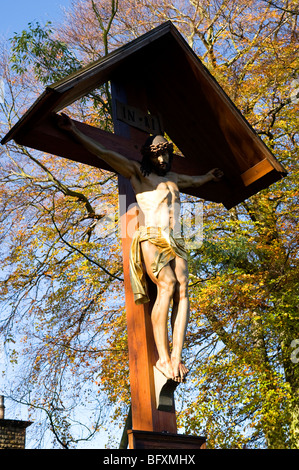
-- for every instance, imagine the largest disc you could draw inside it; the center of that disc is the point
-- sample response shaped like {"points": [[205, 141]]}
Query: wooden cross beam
{"points": [[159, 74]]}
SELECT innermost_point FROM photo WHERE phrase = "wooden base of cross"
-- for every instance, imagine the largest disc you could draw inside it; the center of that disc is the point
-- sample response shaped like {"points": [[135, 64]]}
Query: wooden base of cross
{"points": [[160, 440], [152, 395]]}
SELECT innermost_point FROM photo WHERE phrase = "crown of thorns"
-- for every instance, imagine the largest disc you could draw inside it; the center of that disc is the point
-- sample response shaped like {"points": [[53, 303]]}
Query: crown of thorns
{"points": [[158, 149]]}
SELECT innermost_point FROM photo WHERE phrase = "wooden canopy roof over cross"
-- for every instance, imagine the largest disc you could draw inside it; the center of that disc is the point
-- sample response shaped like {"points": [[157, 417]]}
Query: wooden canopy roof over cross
{"points": [[192, 108]]}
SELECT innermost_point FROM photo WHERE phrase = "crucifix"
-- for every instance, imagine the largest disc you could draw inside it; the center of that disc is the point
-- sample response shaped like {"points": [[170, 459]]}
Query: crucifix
{"points": [[157, 247], [157, 84]]}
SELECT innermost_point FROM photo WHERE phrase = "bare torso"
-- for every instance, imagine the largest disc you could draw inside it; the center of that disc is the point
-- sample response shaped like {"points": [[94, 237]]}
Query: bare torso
{"points": [[159, 199]]}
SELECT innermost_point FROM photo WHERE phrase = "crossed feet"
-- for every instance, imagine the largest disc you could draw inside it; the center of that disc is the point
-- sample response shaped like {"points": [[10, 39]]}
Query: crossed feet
{"points": [[173, 369]]}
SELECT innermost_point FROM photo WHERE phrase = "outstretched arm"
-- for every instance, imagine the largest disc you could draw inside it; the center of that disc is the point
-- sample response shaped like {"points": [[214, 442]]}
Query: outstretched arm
{"points": [[118, 162], [186, 181]]}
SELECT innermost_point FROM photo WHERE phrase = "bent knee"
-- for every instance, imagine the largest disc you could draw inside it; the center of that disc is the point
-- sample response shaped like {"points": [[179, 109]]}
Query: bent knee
{"points": [[167, 286]]}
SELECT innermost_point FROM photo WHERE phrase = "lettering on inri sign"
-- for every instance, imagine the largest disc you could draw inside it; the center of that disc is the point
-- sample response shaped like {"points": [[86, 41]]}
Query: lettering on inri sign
{"points": [[136, 118]]}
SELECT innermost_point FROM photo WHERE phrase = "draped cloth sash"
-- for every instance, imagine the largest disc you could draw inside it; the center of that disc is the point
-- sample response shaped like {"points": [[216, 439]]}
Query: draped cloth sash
{"points": [[168, 247]]}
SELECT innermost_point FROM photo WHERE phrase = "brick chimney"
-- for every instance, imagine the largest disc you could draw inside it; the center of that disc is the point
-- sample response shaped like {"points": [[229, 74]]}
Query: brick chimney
{"points": [[12, 431]]}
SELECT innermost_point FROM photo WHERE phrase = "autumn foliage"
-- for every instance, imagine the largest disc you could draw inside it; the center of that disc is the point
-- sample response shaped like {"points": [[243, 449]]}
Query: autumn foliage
{"points": [[62, 303]]}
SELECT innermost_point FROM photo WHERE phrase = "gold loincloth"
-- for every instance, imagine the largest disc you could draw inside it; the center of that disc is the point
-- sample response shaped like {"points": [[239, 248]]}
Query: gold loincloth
{"points": [[168, 247]]}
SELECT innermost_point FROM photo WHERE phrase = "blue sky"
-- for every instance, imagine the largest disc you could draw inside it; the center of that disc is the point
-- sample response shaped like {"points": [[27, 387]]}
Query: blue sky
{"points": [[16, 14]]}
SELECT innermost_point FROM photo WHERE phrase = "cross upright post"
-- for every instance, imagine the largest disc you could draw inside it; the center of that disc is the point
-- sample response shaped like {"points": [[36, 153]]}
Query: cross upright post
{"points": [[141, 344]]}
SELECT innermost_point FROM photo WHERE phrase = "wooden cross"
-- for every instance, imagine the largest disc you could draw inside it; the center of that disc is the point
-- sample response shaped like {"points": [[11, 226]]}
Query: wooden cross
{"points": [[142, 350], [157, 72]]}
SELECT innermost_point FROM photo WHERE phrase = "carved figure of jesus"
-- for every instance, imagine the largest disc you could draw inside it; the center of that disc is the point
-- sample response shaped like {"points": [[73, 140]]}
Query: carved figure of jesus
{"points": [[157, 246]]}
